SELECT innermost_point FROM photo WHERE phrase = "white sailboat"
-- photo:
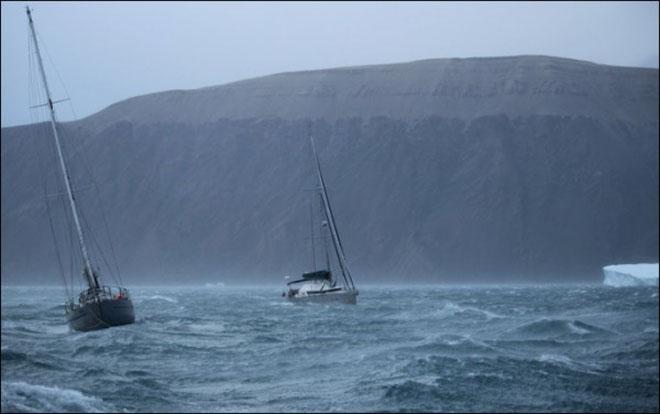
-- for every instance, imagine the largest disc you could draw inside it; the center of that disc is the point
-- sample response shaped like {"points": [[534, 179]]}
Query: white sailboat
{"points": [[320, 286]]}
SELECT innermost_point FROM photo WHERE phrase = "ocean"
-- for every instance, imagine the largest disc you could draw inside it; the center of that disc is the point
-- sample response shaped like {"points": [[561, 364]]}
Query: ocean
{"points": [[423, 348]]}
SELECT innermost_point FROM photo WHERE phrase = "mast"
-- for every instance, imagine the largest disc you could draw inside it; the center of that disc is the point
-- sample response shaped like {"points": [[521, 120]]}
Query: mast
{"points": [[311, 225], [92, 279], [324, 235], [331, 223]]}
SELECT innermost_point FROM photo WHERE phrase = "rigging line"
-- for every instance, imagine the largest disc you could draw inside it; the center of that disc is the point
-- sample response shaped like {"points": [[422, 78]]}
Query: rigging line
{"points": [[328, 213], [311, 222], [71, 248], [324, 234], [59, 261], [69, 223], [79, 151], [96, 243], [331, 222], [65, 151], [29, 78], [88, 274], [323, 188], [71, 253], [343, 265], [73, 256], [44, 176], [68, 219], [117, 277], [45, 48], [342, 261], [49, 214]]}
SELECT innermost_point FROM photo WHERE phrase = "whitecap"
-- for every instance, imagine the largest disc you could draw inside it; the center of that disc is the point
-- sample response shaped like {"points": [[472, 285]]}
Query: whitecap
{"points": [[568, 362], [451, 309], [57, 329], [165, 298], [556, 358], [576, 329], [21, 396], [209, 327], [488, 375]]}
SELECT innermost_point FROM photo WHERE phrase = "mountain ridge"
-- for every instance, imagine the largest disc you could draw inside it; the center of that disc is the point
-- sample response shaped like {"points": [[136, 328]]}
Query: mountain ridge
{"points": [[438, 87]]}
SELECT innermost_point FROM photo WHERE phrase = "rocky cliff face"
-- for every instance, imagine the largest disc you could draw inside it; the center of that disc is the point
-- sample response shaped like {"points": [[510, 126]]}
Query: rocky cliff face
{"points": [[524, 168]]}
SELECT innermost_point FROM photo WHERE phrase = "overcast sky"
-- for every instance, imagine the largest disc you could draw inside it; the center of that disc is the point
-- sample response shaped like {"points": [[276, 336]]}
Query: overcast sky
{"points": [[106, 52]]}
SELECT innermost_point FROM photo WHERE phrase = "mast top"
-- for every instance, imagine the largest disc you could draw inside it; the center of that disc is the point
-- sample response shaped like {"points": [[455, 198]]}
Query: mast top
{"points": [[92, 279]]}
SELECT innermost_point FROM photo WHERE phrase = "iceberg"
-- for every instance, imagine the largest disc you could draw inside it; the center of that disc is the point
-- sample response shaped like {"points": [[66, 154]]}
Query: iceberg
{"points": [[639, 274]]}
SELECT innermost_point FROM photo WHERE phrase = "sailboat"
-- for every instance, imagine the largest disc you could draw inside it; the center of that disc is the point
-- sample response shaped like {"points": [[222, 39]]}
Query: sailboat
{"points": [[98, 306], [321, 286]]}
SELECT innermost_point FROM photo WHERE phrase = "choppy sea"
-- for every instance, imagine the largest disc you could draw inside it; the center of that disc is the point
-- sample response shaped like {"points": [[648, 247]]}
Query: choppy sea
{"points": [[425, 348]]}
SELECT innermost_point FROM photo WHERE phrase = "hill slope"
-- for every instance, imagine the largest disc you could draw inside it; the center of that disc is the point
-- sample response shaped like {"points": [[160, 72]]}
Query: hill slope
{"points": [[527, 167]]}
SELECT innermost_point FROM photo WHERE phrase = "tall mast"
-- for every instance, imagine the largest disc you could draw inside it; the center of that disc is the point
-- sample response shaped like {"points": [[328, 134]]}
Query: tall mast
{"points": [[331, 223], [324, 234], [92, 280], [311, 225]]}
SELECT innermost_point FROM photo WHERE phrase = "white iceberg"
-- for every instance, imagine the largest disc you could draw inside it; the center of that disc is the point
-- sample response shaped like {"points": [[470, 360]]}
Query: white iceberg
{"points": [[639, 274]]}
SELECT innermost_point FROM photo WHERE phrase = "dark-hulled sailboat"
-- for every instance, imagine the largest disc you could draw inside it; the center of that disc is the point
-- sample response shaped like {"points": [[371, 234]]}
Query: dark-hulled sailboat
{"points": [[97, 306], [320, 286]]}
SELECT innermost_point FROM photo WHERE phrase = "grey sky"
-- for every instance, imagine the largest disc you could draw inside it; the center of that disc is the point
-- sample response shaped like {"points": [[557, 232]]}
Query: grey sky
{"points": [[106, 52]]}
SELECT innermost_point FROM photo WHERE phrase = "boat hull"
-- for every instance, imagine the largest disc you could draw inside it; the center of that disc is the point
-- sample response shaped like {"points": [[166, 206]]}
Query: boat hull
{"points": [[100, 315], [346, 297]]}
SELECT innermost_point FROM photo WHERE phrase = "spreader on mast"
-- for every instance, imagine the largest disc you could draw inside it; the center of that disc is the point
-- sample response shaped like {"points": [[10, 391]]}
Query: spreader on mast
{"points": [[92, 279]]}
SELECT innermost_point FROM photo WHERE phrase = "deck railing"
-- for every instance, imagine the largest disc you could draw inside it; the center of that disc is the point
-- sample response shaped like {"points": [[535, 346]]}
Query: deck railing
{"points": [[99, 294]]}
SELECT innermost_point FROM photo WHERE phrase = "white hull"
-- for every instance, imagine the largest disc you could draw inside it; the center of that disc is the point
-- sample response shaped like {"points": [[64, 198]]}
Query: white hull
{"points": [[347, 297]]}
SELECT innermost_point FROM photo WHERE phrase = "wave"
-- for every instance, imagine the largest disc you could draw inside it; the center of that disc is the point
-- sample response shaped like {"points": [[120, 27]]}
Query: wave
{"points": [[453, 344], [93, 372], [41, 328], [207, 327], [576, 366], [452, 309], [8, 355], [23, 397], [18, 357], [643, 351], [266, 339], [544, 328], [137, 373], [109, 345], [165, 298], [435, 351], [562, 359], [413, 392], [447, 309]]}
